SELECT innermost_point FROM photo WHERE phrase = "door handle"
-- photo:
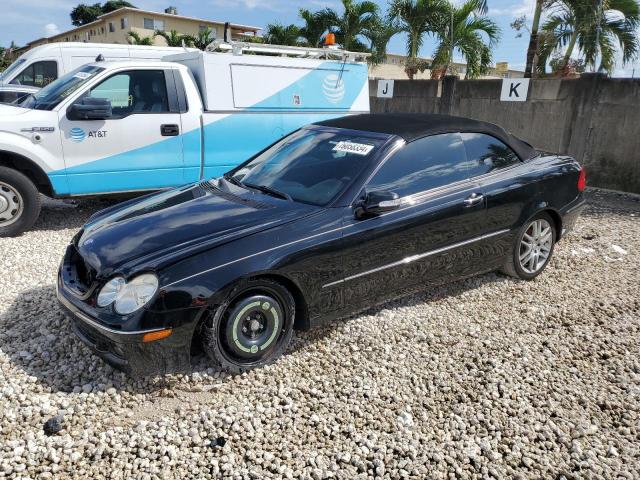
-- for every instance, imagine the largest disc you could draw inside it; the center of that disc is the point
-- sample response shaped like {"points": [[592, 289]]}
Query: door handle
{"points": [[169, 130], [473, 199]]}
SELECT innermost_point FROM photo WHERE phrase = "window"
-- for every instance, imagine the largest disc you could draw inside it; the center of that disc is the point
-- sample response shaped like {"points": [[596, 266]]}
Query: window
{"points": [[141, 91], [423, 164], [202, 28], [153, 24], [124, 23], [312, 166], [487, 153], [112, 27], [38, 74]]}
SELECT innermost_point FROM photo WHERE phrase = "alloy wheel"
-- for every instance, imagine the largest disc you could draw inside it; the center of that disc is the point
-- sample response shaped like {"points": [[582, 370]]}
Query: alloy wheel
{"points": [[535, 246]]}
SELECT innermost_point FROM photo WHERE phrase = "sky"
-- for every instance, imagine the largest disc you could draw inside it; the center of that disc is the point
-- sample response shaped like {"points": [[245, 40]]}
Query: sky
{"points": [[26, 20]]}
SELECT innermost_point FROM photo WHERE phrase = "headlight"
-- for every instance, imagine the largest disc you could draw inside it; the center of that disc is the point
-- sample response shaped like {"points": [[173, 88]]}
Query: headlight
{"points": [[128, 297]]}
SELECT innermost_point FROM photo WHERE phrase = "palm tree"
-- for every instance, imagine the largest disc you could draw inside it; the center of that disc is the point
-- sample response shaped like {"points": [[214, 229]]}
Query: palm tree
{"points": [[136, 39], [417, 18], [204, 38], [379, 35], [278, 34], [315, 26], [576, 23], [358, 17], [469, 33], [175, 39]]}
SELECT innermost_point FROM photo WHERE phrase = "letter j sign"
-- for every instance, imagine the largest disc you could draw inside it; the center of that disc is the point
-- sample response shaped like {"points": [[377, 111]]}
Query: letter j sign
{"points": [[514, 90]]}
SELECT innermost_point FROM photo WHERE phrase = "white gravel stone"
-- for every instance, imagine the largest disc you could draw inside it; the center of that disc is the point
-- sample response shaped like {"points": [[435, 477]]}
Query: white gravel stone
{"points": [[487, 377]]}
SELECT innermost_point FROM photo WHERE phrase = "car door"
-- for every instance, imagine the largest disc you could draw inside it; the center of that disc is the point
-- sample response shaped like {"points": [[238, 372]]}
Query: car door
{"points": [[138, 148], [505, 182], [434, 236]]}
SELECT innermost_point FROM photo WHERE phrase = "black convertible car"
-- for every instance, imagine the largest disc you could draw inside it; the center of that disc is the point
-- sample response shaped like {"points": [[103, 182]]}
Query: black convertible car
{"points": [[332, 219]]}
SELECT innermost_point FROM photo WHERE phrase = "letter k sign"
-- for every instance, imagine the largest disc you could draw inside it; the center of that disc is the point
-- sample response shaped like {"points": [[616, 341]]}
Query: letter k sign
{"points": [[514, 90]]}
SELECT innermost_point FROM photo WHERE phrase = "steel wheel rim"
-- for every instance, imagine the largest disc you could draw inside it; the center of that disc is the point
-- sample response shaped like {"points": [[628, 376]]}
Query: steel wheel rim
{"points": [[11, 204], [535, 246]]}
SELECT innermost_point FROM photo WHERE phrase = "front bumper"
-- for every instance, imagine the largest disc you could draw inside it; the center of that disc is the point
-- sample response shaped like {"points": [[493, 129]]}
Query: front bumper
{"points": [[125, 350]]}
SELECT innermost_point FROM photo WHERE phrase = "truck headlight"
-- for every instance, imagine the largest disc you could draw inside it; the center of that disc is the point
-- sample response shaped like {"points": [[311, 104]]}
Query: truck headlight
{"points": [[128, 297]]}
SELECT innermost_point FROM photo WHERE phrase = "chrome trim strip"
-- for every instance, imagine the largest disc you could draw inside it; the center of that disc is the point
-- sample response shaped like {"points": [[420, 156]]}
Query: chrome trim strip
{"points": [[420, 256], [90, 321]]}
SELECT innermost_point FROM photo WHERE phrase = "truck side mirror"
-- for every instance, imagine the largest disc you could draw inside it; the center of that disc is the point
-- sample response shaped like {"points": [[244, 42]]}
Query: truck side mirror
{"points": [[89, 108]]}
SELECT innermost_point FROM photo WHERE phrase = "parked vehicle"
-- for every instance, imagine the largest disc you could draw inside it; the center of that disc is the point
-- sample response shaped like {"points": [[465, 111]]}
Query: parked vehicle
{"points": [[43, 64], [111, 127], [333, 219]]}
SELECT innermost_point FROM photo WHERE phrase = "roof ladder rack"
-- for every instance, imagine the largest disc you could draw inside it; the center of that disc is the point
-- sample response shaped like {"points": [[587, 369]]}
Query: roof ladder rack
{"points": [[239, 48]]}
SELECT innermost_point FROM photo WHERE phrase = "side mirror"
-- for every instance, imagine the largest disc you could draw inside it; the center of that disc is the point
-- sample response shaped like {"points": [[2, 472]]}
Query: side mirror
{"points": [[89, 108], [379, 202]]}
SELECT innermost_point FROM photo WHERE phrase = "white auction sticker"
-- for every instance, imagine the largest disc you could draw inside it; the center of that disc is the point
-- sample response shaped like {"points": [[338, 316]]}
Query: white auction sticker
{"points": [[351, 147], [82, 75]]}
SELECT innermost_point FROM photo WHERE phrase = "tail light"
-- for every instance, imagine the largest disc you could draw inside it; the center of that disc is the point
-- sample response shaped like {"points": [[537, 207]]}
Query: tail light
{"points": [[582, 180]]}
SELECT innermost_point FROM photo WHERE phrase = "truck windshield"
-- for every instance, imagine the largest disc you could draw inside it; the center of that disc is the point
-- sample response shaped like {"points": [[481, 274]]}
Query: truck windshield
{"points": [[57, 91], [10, 69], [309, 166]]}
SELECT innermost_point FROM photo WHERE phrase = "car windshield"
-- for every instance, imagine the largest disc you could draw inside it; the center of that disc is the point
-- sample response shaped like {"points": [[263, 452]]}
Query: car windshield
{"points": [[310, 166], [11, 68], [57, 91]]}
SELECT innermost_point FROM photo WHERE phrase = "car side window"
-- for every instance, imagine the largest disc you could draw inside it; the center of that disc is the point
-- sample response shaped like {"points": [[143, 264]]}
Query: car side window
{"points": [[137, 91], [423, 164], [487, 154], [38, 74]]}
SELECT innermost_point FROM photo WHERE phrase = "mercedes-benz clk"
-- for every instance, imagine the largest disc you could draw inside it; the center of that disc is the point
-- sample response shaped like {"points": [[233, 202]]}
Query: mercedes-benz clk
{"points": [[337, 217]]}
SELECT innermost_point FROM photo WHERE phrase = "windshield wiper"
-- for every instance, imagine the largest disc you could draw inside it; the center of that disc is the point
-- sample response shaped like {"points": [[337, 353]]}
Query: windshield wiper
{"points": [[232, 179], [269, 191]]}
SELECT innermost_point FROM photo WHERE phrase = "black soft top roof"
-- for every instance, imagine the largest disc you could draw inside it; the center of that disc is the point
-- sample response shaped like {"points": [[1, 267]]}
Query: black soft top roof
{"points": [[411, 126]]}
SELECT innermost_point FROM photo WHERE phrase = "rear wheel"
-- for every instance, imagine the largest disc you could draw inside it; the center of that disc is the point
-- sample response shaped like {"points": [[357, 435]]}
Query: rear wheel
{"points": [[252, 329], [533, 248], [19, 202]]}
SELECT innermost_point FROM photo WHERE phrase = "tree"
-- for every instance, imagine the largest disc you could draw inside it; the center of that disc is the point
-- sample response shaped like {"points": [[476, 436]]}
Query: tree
{"points": [[357, 18], [558, 65], [316, 24], [204, 38], [594, 27], [278, 34], [175, 39], [136, 39], [462, 29], [417, 18], [83, 14], [379, 35]]}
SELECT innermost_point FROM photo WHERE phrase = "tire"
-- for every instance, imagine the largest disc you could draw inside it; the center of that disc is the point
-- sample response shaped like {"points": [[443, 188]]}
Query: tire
{"points": [[19, 202], [252, 328], [521, 263]]}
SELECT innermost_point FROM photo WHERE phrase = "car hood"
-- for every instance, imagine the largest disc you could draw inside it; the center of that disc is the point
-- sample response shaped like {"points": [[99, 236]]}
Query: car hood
{"points": [[163, 228], [10, 110]]}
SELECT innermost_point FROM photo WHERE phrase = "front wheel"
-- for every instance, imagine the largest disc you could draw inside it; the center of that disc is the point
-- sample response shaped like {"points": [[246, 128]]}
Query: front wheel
{"points": [[19, 202], [533, 248], [251, 329]]}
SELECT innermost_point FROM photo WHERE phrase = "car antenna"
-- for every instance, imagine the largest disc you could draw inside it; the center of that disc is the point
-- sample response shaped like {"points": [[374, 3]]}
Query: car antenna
{"points": [[100, 58]]}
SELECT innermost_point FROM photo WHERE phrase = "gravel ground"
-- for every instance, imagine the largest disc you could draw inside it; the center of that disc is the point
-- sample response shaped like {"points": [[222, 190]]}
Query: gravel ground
{"points": [[488, 377]]}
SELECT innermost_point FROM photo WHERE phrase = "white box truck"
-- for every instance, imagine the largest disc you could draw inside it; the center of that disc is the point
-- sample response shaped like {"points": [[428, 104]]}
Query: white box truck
{"points": [[123, 126], [43, 64]]}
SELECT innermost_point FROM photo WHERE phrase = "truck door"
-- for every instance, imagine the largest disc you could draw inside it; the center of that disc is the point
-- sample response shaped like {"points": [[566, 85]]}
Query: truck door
{"points": [[138, 148]]}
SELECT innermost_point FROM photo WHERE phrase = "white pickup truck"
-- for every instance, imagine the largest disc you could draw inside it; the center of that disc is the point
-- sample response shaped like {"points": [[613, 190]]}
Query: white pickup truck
{"points": [[123, 126]]}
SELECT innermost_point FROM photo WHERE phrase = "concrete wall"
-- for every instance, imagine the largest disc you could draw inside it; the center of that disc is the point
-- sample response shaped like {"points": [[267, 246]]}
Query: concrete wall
{"points": [[593, 118]]}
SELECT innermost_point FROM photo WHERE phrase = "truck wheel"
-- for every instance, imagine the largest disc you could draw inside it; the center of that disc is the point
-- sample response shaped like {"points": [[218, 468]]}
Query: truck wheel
{"points": [[19, 202], [252, 328], [533, 248]]}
